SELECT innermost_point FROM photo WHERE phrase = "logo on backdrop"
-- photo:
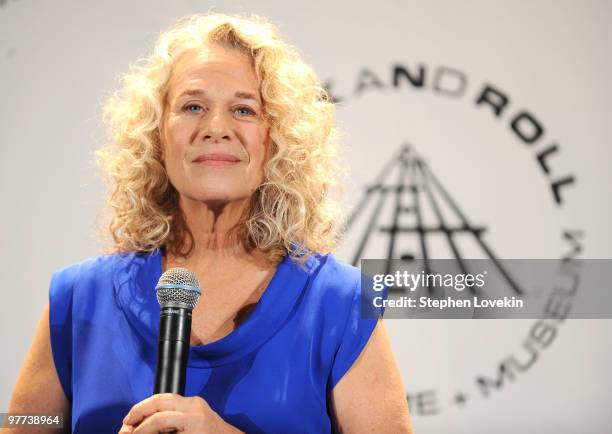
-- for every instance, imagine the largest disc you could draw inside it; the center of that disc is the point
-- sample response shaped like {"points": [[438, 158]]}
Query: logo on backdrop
{"points": [[417, 181], [410, 185]]}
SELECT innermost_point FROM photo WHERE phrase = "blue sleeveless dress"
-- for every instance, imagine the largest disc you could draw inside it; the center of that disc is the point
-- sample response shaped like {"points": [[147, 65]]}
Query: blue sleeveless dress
{"points": [[272, 374]]}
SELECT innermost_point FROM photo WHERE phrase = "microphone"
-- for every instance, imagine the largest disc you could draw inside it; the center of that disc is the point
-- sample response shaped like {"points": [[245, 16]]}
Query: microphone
{"points": [[178, 291]]}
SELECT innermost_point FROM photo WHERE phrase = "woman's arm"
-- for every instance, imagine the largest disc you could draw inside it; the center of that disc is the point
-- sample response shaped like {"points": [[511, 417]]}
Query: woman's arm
{"points": [[370, 397], [38, 389]]}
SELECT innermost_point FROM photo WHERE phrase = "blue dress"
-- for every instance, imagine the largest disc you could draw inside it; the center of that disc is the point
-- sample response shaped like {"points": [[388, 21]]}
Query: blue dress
{"points": [[272, 374]]}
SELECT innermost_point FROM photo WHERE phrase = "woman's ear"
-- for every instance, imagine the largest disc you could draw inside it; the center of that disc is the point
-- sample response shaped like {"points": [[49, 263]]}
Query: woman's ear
{"points": [[160, 148], [270, 147], [160, 133], [160, 142]]}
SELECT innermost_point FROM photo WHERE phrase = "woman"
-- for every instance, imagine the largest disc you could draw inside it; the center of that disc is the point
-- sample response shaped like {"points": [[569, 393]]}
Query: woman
{"points": [[221, 163]]}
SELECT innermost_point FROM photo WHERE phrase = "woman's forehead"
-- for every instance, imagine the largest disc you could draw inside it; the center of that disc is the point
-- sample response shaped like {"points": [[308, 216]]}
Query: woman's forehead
{"points": [[214, 63]]}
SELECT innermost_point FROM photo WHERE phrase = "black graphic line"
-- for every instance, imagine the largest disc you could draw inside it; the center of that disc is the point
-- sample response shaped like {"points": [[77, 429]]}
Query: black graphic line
{"points": [[399, 191], [369, 227], [414, 187], [374, 187], [441, 220], [444, 193], [477, 232]]}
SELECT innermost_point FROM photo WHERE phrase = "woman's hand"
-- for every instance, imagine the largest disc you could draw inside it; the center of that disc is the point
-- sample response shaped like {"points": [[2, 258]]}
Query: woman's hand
{"points": [[168, 412]]}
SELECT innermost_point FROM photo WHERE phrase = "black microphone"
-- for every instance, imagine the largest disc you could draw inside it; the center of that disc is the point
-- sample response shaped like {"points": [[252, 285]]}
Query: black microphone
{"points": [[178, 291]]}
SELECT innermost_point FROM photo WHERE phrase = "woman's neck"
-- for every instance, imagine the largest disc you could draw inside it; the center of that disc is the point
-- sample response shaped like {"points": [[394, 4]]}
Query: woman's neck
{"points": [[213, 228]]}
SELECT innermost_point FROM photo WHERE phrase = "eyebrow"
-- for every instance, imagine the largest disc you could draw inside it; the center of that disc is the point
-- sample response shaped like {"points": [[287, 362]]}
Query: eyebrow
{"points": [[200, 92]]}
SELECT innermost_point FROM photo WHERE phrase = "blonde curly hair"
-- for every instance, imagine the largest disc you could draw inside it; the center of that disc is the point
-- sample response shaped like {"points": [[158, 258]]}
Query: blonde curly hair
{"points": [[292, 211]]}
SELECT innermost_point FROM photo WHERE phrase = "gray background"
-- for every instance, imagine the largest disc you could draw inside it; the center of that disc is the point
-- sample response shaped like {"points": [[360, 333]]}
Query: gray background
{"points": [[58, 59]]}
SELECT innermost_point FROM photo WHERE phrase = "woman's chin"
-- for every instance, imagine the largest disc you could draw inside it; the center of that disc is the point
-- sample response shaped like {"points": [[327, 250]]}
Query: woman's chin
{"points": [[218, 198]]}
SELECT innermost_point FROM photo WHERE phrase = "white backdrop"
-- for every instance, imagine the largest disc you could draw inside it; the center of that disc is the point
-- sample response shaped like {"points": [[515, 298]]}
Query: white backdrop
{"points": [[550, 58]]}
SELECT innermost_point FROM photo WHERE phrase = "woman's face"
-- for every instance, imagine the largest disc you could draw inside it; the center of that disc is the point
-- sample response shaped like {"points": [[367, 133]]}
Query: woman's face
{"points": [[214, 137]]}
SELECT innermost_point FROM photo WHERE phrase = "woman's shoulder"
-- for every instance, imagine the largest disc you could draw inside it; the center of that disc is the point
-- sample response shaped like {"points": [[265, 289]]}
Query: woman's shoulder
{"points": [[97, 271], [93, 266], [334, 283], [333, 273]]}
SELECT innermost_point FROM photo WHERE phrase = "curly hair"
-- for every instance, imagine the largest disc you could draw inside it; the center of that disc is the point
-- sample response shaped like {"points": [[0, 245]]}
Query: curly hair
{"points": [[292, 211]]}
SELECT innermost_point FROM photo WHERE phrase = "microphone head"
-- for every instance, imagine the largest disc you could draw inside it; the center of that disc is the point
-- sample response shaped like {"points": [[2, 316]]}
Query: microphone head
{"points": [[178, 287]]}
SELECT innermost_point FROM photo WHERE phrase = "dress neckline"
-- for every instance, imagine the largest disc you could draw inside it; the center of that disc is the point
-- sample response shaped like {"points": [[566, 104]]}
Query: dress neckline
{"points": [[274, 306]]}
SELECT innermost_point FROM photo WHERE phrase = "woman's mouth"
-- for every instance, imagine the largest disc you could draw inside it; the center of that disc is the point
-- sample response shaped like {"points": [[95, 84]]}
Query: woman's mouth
{"points": [[217, 160]]}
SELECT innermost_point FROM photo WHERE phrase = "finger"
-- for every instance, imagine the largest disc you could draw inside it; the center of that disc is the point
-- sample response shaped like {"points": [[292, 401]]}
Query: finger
{"points": [[126, 429], [153, 404], [162, 422]]}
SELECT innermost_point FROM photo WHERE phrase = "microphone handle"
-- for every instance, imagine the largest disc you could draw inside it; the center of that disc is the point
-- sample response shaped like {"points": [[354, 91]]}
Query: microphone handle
{"points": [[172, 350]]}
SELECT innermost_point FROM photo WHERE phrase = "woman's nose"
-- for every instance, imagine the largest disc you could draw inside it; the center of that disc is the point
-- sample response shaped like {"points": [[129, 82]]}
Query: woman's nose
{"points": [[216, 126]]}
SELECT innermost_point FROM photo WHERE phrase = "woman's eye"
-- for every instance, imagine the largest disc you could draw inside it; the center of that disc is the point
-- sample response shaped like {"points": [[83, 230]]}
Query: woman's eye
{"points": [[192, 108], [245, 111]]}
